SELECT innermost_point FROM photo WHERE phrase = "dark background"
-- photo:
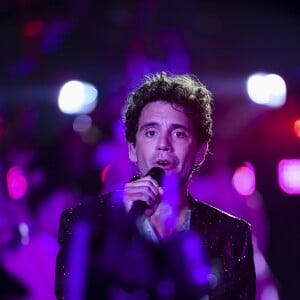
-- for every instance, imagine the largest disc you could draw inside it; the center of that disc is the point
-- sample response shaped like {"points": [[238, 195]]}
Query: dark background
{"points": [[98, 41]]}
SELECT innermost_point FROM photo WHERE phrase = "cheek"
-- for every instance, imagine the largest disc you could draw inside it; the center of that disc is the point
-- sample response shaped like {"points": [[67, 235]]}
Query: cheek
{"points": [[141, 153], [144, 154], [144, 148], [188, 155]]}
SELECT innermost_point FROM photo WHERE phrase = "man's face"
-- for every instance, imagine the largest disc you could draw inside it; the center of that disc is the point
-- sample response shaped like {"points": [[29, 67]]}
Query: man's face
{"points": [[165, 138]]}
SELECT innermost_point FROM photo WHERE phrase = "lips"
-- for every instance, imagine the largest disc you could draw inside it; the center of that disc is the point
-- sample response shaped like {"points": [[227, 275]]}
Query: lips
{"points": [[165, 164]]}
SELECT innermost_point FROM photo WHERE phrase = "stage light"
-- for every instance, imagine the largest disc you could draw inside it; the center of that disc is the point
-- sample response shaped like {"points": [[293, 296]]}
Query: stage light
{"points": [[267, 89], [16, 183], [289, 175], [77, 97], [297, 128], [243, 180]]}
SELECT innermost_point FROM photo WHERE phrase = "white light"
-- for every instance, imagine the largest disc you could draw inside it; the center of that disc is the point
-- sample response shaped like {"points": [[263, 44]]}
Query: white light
{"points": [[24, 232], [267, 89], [76, 97]]}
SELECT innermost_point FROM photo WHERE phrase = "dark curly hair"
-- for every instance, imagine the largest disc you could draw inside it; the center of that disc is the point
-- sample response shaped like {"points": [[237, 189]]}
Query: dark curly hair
{"points": [[184, 90]]}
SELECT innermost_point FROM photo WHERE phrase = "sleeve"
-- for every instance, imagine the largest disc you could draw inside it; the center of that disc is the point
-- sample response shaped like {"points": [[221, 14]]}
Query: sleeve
{"points": [[79, 231], [64, 237], [247, 268]]}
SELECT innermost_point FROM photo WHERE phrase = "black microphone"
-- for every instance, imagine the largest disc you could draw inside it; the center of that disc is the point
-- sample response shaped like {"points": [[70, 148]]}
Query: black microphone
{"points": [[139, 207]]}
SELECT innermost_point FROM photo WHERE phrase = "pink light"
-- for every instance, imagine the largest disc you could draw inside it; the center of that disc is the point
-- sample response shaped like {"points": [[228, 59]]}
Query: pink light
{"points": [[243, 179], [289, 175], [16, 183]]}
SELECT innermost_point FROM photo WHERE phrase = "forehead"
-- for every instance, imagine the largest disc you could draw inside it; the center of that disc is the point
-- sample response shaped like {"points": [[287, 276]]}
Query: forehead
{"points": [[162, 112]]}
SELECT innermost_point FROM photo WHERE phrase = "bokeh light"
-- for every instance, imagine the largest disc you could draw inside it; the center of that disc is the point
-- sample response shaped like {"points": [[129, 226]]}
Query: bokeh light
{"points": [[267, 89], [82, 123], [16, 181], [104, 172], [24, 232], [297, 127], [289, 175], [33, 28], [77, 97], [243, 179]]}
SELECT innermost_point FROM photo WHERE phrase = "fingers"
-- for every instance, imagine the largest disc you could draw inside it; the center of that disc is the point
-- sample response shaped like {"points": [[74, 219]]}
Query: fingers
{"points": [[145, 189]]}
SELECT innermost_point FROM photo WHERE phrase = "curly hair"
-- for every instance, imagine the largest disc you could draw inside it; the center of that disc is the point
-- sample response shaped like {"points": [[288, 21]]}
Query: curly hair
{"points": [[184, 90]]}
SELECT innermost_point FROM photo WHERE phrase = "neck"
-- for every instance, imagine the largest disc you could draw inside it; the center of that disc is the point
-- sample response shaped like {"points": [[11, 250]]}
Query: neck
{"points": [[170, 216]]}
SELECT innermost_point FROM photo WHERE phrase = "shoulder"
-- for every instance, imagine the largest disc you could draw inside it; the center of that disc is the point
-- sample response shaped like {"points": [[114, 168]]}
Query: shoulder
{"points": [[88, 209], [207, 215], [94, 212]]}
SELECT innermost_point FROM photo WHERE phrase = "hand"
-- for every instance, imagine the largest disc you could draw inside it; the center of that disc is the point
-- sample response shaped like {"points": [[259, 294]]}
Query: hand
{"points": [[145, 189]]}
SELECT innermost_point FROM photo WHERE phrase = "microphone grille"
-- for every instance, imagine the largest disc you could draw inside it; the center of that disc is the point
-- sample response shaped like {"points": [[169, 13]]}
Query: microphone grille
{"points": [[157, 174]]}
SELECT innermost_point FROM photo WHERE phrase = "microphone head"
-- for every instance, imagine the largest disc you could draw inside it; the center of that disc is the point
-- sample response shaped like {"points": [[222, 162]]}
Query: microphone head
{"points": [[157, 174]]}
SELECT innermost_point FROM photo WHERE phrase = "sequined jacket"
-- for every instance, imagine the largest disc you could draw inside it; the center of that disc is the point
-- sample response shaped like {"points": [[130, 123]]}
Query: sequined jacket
{"points": [[225, 239]]}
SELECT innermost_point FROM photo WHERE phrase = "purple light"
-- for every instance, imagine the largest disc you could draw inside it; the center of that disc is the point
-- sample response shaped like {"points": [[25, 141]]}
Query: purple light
{"points": [[198, 270], [77, 261], [289, 175], [16, 183], [25, 65], [243, 179], [54, 35]]}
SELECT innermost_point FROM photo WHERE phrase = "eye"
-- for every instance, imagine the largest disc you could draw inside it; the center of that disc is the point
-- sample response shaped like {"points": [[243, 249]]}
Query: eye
{"points": [[180, 134], [150, 133]]}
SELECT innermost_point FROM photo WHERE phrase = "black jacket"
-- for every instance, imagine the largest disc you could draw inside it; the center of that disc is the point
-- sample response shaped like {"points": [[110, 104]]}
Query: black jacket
{"points": [[101, 257]]}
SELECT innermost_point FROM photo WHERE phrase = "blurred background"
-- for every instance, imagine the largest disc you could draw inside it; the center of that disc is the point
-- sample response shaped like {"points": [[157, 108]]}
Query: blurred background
{"points": [[65, 70]]}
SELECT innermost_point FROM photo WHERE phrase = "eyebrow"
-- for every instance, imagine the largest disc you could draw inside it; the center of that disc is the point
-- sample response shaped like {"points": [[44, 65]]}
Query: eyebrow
{"points": [[173, 126]]}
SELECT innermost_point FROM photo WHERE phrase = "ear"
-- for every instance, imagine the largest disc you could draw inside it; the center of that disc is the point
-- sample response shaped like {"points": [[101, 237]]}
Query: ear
{"points": [[132, 152], [200, 155]]}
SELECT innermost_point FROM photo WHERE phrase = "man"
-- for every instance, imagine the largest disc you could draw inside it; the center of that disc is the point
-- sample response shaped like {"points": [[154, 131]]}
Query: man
{"points": [[168, 125]]}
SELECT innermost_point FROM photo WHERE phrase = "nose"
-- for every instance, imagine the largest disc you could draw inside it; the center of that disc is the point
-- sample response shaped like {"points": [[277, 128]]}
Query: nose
{"points": [[164, 143]]}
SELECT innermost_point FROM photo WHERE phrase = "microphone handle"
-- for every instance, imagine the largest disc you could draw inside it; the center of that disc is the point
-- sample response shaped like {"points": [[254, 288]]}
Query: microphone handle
{"points": [[139, 207], [137, 210]]}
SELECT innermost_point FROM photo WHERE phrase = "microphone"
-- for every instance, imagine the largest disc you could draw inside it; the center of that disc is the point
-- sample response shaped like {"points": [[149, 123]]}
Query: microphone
{"points": [[157, 174], [139, 207]]}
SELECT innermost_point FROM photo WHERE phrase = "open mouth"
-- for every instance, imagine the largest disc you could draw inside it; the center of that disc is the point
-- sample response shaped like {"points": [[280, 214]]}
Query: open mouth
{"points": [[164, 164]]}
